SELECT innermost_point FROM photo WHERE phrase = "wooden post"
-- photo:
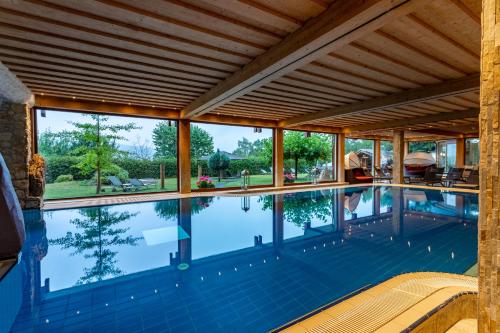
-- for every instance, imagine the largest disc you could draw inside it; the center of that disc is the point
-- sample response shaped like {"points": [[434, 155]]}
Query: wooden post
{"points": [[340, 157], [184, 222], [184, 156], [278, 222], [460, 153], [398, 206], [398, 167], [162, 176], [278, 158], [376, 153], [406, 148], [489, 171], [376, 200]]}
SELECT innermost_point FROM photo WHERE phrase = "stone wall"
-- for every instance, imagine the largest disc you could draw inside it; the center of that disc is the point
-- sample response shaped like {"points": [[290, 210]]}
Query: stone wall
{"points": [[15, 146]]}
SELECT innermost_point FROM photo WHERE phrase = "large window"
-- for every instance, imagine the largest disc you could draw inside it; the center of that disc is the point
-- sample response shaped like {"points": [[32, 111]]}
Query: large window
{"points": [[363, 149], [472, 151], [386, 155], [308, 157], [222, 154], [95, 154]]}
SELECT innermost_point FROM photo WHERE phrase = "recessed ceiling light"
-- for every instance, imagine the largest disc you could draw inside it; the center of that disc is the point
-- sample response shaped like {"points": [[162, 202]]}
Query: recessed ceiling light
{"points": [[102, 100], [43, 94], [129, 103], [73, 97]]}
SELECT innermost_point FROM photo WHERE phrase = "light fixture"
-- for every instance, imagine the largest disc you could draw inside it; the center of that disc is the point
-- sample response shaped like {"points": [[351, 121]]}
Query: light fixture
{"points": [[257, 130], [307, 134], [73, 97], [43, 114], [42, 94]]}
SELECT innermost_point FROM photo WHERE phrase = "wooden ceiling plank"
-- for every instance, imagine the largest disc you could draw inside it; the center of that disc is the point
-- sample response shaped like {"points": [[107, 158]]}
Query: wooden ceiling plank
{"points": [[151, 45], [302, 93], [452, 87], [416, 120], [104, 78], [101, 69], [340, 24], [64, 55], [108, 84]]}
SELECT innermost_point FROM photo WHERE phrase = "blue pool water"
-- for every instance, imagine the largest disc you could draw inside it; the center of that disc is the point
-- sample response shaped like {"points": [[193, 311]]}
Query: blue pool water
{"points": [[227, 264]]}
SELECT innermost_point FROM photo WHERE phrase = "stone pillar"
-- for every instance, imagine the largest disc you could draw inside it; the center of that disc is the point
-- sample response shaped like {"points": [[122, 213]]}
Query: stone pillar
{"points": [[376, 153], [184, 156], [340, 157], [489, 171], [278, 165], [460, 154], [15, 146], [397, 166]]}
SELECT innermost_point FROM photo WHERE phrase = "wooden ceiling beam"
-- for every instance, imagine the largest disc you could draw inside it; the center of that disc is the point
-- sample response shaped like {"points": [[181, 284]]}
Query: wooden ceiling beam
{"points": [[445, 116], [426, 93], [342, 23]]}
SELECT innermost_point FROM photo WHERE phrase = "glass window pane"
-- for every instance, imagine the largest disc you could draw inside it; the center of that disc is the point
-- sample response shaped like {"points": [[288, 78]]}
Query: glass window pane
{"points": [[308, 157], [472, 151], [220, 154], [363, 150], [95, 154]]}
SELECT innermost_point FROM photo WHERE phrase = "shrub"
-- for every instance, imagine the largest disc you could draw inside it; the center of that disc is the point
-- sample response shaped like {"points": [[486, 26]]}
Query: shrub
{"points": [[205, 182], [64, 178], [64, 165]]}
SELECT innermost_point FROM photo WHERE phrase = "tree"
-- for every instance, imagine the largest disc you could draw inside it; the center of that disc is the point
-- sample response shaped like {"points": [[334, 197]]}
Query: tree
{"points": [[99, 145], [218, 162], [165, 141], [297, 146], [57, 143], [140, 149], [97, 234], [245, 148]]}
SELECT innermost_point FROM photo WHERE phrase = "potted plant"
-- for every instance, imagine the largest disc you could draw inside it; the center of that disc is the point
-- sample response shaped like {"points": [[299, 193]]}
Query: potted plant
{"points": [[204, 183]]}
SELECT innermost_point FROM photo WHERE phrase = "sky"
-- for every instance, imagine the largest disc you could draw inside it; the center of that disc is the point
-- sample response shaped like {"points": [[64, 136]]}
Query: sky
{"points": [[225, 137]]}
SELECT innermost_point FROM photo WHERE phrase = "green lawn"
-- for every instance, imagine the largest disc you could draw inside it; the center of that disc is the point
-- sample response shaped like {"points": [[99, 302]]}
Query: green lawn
{"points": [[76, 189]]}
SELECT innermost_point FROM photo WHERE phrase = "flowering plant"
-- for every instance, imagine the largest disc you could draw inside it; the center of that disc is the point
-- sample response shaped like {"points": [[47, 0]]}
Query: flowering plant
{"points": [[289, 178], [205, 182]]}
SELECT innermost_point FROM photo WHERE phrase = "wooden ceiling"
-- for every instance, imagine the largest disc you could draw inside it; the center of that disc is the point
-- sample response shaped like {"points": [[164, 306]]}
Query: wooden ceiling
{"points": [[356, 65]]}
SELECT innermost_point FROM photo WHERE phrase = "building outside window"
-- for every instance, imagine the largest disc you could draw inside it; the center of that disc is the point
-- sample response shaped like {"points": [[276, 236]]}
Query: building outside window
{"points": [[363, 149]]}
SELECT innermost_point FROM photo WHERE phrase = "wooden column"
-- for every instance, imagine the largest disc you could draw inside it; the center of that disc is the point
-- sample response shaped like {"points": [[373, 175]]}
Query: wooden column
{"points": [[340, 157], [489, 171], [278, 157], [278, 220], [460, 153], [376, 153], [399, 151], [184, 156], [406, 148]]}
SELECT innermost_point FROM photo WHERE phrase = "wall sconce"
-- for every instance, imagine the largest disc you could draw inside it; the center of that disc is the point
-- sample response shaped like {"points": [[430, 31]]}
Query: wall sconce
{"points": [[307, 134], [245, 204], [257, 130]]}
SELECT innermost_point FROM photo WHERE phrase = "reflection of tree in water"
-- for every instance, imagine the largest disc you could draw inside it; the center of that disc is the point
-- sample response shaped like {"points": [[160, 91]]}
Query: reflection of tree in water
{"points": [[170, 208], [386, 198], [367, 195], [302, 208], [98, 234]]}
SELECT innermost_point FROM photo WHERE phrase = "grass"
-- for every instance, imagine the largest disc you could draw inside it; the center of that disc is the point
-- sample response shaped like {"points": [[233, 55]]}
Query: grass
{"points": [[75, 189]]}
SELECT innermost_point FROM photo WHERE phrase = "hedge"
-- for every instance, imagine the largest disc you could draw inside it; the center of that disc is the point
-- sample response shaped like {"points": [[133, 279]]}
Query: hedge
{"points": [[64, 165]]}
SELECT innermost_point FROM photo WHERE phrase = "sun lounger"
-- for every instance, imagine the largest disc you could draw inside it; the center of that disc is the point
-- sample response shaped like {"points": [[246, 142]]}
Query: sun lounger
{"points": [[117, 183]]}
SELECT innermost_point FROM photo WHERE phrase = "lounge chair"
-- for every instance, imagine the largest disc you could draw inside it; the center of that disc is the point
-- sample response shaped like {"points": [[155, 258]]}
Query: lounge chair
{"points": [[139, 183], [380, 176], [432, 176], [472, 181], [358, 176], [117, 183], [453, 176]]}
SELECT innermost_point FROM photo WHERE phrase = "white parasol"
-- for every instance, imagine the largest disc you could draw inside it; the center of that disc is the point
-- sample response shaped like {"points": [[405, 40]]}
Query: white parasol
{"points": [[419, 158]]}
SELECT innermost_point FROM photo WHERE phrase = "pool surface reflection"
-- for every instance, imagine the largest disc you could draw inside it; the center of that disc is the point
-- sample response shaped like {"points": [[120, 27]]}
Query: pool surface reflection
{"points": [[224, 264]]}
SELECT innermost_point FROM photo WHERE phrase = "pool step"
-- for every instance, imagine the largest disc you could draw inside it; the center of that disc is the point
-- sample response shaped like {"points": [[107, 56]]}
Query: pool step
{"points": [[392, 306]]}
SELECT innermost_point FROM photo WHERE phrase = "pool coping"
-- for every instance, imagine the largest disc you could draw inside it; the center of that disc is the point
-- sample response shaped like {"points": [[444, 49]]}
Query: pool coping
{"points": [[138, 198]]}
